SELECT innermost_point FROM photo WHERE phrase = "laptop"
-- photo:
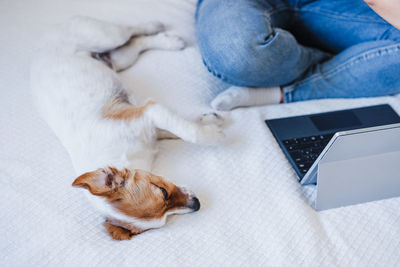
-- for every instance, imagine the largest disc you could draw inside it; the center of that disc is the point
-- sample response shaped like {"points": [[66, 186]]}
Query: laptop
{"points": [[352, 155]]}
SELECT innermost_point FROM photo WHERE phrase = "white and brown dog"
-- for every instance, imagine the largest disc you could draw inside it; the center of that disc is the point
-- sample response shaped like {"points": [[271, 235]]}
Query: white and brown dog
{"points": [[111, 140]]}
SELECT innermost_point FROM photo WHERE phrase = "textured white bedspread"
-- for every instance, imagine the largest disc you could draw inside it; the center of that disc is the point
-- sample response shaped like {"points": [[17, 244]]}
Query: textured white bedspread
{"points": [[254, 211]]}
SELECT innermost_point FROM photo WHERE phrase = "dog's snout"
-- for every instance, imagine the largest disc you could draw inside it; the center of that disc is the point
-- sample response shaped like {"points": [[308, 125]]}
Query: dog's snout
{"points": [[194, 204]]}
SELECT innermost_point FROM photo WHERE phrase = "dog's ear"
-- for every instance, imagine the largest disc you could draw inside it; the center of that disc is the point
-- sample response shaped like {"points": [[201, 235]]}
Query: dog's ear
{"points": [[100, 182]]}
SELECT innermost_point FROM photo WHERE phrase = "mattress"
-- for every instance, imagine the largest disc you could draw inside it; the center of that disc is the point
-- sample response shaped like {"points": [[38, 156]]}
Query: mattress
{"points": [[253, 213]]}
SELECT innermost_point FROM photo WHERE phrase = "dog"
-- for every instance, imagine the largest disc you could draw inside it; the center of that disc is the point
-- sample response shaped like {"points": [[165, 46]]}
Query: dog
{"points": [[112, 141]]}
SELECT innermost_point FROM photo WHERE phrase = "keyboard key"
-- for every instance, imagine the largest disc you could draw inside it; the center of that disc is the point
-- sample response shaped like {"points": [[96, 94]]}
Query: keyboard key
{"points": [[305, 165], [286, 142], [305, 150], [296, 154], [315, 144]]}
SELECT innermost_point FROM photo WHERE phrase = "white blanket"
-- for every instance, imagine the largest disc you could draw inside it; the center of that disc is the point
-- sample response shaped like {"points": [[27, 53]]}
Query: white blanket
{"points": [[253, 212]]}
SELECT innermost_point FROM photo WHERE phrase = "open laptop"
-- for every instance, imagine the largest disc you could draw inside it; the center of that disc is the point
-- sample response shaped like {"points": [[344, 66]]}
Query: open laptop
{"points": [[352, 155]]}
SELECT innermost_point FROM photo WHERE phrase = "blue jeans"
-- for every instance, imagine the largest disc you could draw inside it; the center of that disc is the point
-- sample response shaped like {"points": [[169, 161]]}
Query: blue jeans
{"points": [[313, 49]]}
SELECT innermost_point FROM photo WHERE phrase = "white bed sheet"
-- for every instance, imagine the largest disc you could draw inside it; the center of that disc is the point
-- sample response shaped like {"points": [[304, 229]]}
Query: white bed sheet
{"points": [[254, 211]]}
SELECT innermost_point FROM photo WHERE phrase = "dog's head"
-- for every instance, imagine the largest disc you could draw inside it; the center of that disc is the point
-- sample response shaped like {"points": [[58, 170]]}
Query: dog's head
{"points": [[135, 201]]}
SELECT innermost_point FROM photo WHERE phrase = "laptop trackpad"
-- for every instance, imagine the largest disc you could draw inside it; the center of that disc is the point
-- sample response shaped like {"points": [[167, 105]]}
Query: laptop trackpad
{"points": [[337, 120]]}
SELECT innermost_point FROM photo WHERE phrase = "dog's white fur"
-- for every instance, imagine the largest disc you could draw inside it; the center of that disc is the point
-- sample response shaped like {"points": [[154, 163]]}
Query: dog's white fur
{"points": [[71, 88]]}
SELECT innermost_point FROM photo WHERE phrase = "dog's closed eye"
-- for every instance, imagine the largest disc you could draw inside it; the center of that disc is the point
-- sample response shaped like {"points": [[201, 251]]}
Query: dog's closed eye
{"points": [[165, 193], [156, 189]]}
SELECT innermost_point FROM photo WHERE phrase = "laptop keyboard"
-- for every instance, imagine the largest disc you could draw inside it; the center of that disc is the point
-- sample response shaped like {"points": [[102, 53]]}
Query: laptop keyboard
{"points": [[305, 150]]}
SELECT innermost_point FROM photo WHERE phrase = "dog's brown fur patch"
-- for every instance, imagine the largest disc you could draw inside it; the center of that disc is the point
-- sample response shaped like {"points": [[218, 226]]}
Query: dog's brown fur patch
{"points": [[144, 187], [119, 108], [117, 232], [101, 182], [135, 193]]}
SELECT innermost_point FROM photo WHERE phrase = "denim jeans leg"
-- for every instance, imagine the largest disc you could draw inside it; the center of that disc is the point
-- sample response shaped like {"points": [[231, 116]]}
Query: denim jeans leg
{"points": [[365, 70], [368, 56], [243, 42], [334, 26]]}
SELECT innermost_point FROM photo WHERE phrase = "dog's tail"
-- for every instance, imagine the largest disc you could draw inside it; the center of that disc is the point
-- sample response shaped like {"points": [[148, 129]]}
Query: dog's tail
{"points": [[93, 35]]}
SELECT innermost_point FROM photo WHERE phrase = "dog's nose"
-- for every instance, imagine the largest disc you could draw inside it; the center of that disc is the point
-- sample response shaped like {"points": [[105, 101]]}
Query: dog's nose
{"points": [[194, 204]]}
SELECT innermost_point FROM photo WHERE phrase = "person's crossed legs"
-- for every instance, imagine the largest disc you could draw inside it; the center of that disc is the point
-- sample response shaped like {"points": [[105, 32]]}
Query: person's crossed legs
{"points": [[266, 43]]}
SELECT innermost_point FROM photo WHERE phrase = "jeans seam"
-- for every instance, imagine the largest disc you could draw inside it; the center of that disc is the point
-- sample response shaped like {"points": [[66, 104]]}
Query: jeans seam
{"points": [[288, 90], [366, 55], [277, 10], [342, 17], [217, 74]]}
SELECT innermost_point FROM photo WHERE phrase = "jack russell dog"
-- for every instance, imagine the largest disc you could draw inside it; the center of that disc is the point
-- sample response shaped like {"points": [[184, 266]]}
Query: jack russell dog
{"points": [[112, 141]]}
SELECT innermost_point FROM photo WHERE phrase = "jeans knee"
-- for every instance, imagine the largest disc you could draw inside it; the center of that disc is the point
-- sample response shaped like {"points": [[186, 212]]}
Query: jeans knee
{"points": [[229, 40], [239, 61]]}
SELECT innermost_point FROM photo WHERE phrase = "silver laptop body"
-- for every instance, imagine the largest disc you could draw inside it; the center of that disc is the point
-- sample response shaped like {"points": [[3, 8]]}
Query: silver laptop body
{"points": [[357, 166]]}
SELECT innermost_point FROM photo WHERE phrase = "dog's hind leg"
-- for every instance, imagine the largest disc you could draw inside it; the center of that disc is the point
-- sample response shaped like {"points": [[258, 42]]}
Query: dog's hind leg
{"points": [[123, 57], [99, 36]]}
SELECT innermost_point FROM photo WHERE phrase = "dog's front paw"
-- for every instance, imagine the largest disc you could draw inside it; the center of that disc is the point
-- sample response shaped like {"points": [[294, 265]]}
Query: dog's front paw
{"points": [[211, 118], [210, 134]]}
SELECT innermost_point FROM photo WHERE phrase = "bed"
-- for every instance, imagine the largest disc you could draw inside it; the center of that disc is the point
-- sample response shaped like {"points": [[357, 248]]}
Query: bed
{"points": [[253, 213]]}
